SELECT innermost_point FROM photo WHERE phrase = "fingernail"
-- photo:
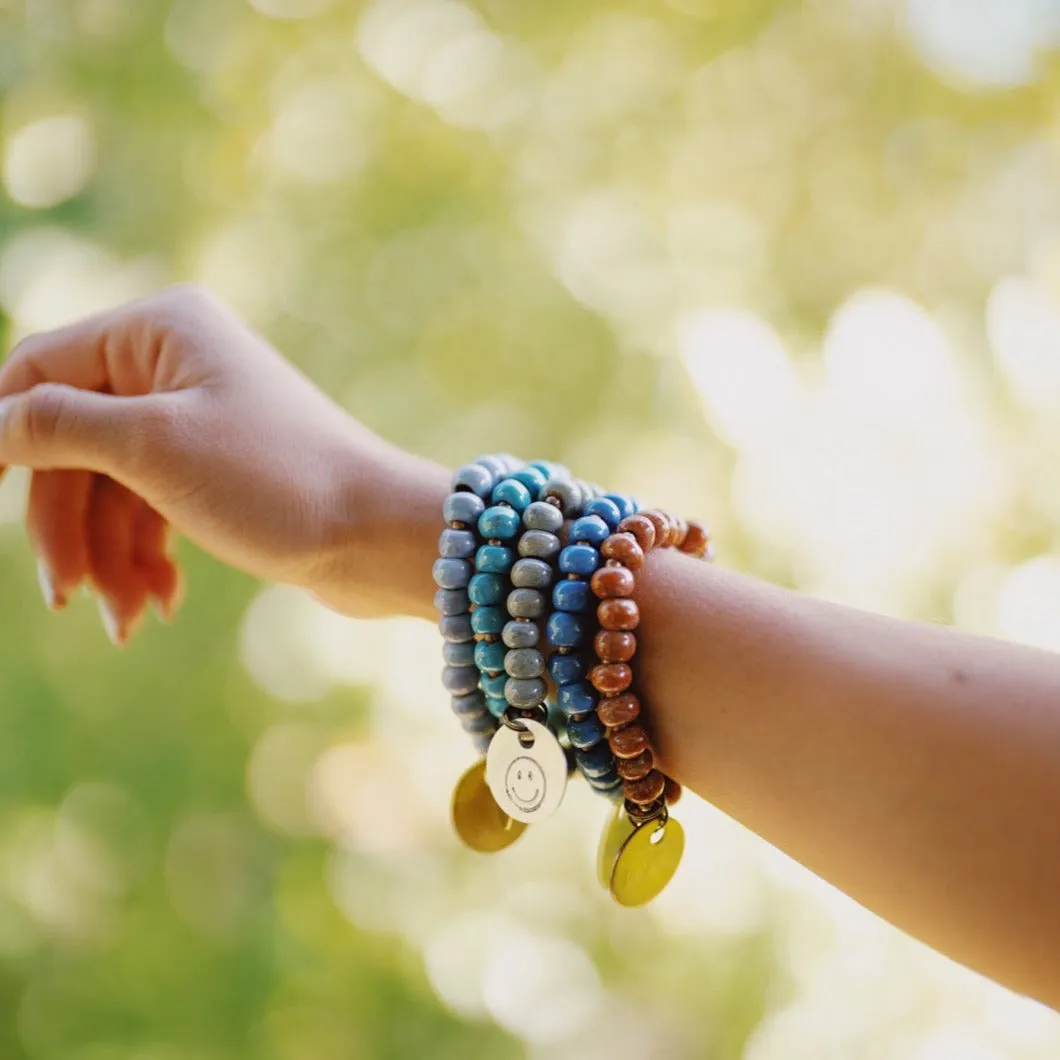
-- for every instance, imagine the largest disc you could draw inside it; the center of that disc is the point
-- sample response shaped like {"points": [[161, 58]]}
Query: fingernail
{"points": [[109, 618], [161, 609], [53, 601]]}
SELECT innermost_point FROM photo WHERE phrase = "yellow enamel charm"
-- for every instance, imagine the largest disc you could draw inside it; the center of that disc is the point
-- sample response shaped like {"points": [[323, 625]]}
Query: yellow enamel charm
{"points": [[647, 861], [477, 819], [618, 829]]}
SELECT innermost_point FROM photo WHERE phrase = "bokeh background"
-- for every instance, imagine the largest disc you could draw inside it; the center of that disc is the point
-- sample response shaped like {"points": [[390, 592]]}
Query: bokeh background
{"points": [[794, 267]]}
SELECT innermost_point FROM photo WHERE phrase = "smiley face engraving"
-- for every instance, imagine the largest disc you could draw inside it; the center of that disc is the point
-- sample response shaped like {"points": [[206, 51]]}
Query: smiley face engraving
{"points": [[524, 783]]}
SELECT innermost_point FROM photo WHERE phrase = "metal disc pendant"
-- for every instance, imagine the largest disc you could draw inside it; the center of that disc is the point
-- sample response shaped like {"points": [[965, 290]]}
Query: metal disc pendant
{"points": [[617, 830], [647, 861], [527, 779], [477, 819]]}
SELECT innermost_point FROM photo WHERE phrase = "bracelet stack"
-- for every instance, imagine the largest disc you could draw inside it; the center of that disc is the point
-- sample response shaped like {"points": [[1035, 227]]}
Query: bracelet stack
{"points": [[536, 574]]}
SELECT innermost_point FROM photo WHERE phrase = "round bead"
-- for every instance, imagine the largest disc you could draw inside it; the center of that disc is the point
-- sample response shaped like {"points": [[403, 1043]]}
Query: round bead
{"points": [[618, 614], [531, 478], [625, 549], [615, 646], [590, 528], [489, 657], [525, 692], [452, 573], [609, 582], [618, 710], [539, 544], [470, 703], [494, 559], [456, 628], [527, 603], [672, 791], [493, 684], [680, 532], [548, 468], [575, 699], [571, 595], [611, 678], [481, 741], [645, 791], [459, 654], [579, 559], [609, 785], [626, 505], [566, 669], [696, 540], [521, 634], [496, 705], [486, 589], [524, 662], [567, 493], [488, 619], [499, 523], [629, 742], [477, 723], [531, 574], [511, 491], [636, 768], [585, 732], [494, 463], [642, 528], [605, 509], [662, 526], [452, 601], [474, 478], [457, 544], [564, 630], [543, 516], [460, 680], [597, 761], [463, 508]]}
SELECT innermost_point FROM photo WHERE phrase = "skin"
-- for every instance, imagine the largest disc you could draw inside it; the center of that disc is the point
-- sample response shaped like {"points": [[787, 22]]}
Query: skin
{"points": [[916, 768]]}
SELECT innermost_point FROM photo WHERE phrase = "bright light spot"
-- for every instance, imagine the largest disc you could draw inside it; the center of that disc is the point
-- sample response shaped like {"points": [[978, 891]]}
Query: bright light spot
{"points": [[541, 988], [741, 372], [975, 599], [49, 161], [290, 9], [1028, 604], [948, 1042], [1024, 328], [276, 775]]}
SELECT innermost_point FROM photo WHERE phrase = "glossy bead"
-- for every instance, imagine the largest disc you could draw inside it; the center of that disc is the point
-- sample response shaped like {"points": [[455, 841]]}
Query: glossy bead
{"points": [[460, 680], [451, 573], [496, 464], [608, 784], [610, 679], [680, 532], [579, 559], [571, 595], [531, 478], [459, 654], [488, 619], [566, 669], [527, 603], [489, 657], [589, 528], [481, 741], [499, 523], [493, 684], [618, 614], [627, 506], [543, 516], [511, 491], [565, 630], [636, 768], [575, 699], [531, 574], [696, 540], [474, 478], [452, 601], [605, 509], [494, 559], [625, 549], [469, 703], [566, 492], [645, 791], [496, 705], [477, 722], [642, 528], [524, 662], [525, 692], [597, 761], [628, 742], [615, 646], [456, 544], [521, 634], [609, 582], [540, 544], [486, 589], [615, 711], [548, 468], [586, 732], [463, 508], [456, 628], [662, 526], [672, 791]]}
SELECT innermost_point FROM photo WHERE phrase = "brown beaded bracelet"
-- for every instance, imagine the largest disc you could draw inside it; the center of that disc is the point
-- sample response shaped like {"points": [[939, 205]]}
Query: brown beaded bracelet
{"points": [[648, 792]]}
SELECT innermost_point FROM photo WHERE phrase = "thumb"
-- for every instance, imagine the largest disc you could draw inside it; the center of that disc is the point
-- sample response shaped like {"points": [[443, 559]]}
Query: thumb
{"points": [[57, 426]]}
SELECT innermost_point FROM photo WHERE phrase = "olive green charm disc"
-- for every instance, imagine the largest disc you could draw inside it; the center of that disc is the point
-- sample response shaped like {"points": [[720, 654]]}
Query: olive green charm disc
{"points": [[647, 861], [477, 819], [619, 828]]}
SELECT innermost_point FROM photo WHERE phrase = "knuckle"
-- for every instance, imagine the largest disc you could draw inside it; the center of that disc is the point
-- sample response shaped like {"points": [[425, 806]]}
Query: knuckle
{"points": [[45, 411]]}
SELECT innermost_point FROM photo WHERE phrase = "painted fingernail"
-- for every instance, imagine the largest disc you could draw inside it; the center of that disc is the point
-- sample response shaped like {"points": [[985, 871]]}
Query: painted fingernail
{"points": [[163, 611], [53, 600], [109, 618]]}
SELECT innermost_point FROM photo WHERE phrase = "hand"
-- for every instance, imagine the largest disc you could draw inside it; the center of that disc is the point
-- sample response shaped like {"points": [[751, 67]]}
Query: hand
{"points": [[169, 411]]}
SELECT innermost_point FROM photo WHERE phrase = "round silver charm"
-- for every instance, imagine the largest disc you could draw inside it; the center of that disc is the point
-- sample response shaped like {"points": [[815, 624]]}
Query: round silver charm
{"points": [[528, 780]]}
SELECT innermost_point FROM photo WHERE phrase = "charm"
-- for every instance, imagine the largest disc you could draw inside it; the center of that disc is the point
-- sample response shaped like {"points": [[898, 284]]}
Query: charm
{"points": [[528, 778], [647, 861], [477, 819], [618, 829]]}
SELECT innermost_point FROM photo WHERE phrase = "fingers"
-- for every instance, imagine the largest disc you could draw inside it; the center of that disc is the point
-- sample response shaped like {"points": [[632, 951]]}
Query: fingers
{"points": [[57, 518], [152, 561]]}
